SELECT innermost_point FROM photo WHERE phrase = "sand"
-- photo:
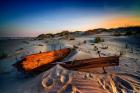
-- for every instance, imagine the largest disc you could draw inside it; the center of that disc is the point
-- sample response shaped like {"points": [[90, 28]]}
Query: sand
{"points": [[123, 78], [120, 79]]}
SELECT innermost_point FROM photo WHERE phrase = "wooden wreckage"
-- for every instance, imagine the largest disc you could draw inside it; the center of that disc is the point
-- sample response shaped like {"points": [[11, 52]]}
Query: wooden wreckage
{"points": [[81, 65], [46, 60]]}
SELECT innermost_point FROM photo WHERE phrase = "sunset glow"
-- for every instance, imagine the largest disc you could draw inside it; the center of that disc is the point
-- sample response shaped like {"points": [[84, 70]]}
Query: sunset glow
{"points": [[122, 21], [32, 18]]}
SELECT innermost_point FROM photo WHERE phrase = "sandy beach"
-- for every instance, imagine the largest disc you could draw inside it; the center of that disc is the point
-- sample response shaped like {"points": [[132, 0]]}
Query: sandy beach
{"points": [[119, 79]]}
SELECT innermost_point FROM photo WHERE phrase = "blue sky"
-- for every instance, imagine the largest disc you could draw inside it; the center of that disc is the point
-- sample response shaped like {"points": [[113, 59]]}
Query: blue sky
{"points": [[33, 17]]}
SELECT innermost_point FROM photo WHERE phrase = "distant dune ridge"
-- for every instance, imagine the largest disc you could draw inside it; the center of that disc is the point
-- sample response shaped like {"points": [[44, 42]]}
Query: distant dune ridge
{"points": [[130, 30]]}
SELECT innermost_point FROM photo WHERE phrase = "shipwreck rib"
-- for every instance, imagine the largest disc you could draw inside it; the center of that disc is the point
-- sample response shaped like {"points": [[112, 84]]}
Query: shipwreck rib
{"points": [[91, 63]]}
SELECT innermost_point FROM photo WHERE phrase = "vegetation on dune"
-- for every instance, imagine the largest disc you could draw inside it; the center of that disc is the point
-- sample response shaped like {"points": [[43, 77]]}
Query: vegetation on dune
{"points": [[98, 39], [43, 36], [120, 31], [126, 31], [95, 48], [64, 33]]}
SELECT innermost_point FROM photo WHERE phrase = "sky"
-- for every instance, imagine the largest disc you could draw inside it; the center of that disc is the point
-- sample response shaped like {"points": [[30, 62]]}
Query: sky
{"points": [[28, 18]]}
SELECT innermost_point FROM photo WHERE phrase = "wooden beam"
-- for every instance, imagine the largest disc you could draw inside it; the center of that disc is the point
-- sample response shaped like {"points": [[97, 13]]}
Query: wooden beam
{"points": [[92, 63]]}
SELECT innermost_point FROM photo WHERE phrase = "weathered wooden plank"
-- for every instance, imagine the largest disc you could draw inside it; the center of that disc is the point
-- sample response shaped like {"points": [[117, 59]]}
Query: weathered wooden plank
{"points": [[92, 63]]}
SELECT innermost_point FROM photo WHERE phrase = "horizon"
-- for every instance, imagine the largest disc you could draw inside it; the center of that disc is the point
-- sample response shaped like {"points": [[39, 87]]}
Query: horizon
{"points": [[66, 30], [33, 17]]}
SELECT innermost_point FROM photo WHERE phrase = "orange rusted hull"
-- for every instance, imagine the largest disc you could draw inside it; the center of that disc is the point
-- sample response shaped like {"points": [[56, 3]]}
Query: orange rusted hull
{"points": [[35, 61]]}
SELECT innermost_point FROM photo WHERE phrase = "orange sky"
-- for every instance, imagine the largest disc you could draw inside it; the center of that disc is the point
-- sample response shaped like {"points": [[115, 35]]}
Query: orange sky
{"points": [[121, 21]]}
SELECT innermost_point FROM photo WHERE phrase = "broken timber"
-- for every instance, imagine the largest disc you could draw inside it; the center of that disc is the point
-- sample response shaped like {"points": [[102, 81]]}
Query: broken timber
{"points": [[91, 63]]}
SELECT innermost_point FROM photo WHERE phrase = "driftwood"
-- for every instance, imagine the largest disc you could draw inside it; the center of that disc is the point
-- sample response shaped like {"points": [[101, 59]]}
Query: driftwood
{"points": [[91, 63]]}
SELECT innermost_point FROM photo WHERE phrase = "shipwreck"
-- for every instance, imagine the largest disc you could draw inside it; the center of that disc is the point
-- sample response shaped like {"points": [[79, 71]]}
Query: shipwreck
{"points": [[41, 61], [82, 65]]}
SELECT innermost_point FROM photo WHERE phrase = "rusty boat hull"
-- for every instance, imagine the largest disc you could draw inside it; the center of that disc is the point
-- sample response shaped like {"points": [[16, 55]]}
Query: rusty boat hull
{"points": [[41, 61]]}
